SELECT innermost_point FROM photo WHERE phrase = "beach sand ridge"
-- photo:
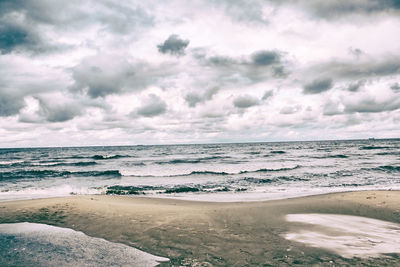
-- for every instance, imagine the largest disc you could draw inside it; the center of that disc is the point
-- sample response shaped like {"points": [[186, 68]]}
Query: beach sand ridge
{"points": [[209, 234]]}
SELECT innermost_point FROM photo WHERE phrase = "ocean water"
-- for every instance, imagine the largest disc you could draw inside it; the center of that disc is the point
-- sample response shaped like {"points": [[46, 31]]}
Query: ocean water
{"points": [[211, 172]]}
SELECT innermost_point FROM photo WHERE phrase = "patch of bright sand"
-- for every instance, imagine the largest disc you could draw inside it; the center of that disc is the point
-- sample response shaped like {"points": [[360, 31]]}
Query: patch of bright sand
{"points": [[348, 236], [32, 244]]}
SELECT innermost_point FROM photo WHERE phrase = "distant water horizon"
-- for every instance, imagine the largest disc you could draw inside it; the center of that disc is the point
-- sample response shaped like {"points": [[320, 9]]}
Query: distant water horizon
{"points": [[213, 172], [211, 143]]}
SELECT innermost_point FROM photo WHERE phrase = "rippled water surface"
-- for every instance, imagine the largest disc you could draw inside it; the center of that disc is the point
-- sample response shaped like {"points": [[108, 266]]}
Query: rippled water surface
{"points": [[222, 172]]}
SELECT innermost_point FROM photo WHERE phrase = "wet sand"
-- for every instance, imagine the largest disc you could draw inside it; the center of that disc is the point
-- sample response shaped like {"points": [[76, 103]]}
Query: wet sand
{"points": [[206, 233]]}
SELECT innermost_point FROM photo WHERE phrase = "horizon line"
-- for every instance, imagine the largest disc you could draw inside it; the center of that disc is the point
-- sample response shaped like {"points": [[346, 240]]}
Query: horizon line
{"points": [[212, 143]]}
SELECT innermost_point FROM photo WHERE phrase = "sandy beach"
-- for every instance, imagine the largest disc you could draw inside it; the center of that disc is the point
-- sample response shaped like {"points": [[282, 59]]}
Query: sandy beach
{"points": [[193, 233]]}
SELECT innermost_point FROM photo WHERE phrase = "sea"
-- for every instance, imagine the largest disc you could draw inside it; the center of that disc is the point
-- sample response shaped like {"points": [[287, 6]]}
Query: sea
{"points": [[204, 172]]}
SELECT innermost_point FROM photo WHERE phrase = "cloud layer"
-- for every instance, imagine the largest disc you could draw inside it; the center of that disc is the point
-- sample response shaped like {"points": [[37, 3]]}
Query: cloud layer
{"points": [[134, 72]]}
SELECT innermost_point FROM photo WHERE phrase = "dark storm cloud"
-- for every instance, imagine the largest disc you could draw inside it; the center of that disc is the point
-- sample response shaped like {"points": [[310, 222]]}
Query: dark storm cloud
{"points": [[261, 58], [24, 24], [173, 45], [154, 106], [355, 87], [41, 11], [10, 104], [318, 86], [365, 105], [265, 58], [17, 37], [209, 94], [222, 61], [268, 60], [21, 24], [99, 76], [245, 101], [51, 110], [21, 79], [195, 98], [395, 87], [118, 17], [280, 71], [268, 94], [333, 9], [107, 74], [58, 113], [371, 105], [245, 70], [359, 70], [337, 8]]}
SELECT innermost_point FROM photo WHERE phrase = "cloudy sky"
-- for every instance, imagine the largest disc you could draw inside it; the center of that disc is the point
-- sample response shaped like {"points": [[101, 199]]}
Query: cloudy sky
{"points": [[107, 72]]}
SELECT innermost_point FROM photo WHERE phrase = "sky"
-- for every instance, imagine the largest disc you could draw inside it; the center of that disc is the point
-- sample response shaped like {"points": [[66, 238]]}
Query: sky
{"points": [[105, 72]]}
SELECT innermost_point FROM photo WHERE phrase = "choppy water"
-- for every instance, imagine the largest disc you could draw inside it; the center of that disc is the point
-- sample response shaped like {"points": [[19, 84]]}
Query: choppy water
{"points": [[222, 172]]}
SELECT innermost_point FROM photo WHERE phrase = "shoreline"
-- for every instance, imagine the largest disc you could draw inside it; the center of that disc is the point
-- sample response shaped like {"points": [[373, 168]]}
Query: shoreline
{"points": [[217, 233], [221, 197]]}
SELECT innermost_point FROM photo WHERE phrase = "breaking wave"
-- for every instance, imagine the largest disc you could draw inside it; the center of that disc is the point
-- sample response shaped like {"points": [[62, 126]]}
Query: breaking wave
{"points": [[37, 174]]}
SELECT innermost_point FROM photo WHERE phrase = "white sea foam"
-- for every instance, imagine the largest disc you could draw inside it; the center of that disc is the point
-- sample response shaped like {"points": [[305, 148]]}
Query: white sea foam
{"points": [[56, 191], [8, 162], [45, 164], [247, 196], [261, 194], [30, 244], [348, 236], [255, 194]]}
